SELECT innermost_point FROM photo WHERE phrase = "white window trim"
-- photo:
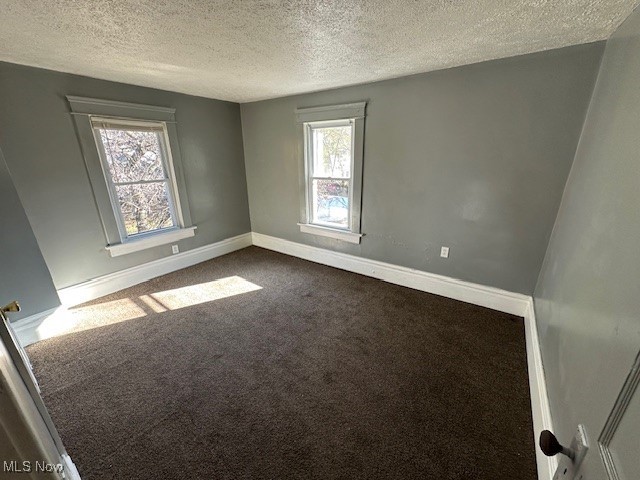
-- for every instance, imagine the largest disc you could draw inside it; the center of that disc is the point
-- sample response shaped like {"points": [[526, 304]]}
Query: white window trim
{"points": [[336, 233], [154, 239], [307, 119]]}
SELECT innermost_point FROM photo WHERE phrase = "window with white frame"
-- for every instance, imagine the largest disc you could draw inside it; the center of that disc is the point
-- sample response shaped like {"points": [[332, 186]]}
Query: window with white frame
{"points": [[332, 165], [135, 168], [138, 170]]}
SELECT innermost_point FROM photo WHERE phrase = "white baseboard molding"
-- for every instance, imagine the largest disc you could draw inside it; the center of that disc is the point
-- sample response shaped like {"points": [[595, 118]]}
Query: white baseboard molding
{"points": [[490, 297], [101, 286], [70, 469], [41, 326], [540, 408], [27, 329]]}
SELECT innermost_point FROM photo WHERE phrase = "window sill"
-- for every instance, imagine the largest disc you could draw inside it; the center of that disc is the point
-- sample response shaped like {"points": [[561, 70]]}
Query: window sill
{"points": [[150, 241], [330, 232]]}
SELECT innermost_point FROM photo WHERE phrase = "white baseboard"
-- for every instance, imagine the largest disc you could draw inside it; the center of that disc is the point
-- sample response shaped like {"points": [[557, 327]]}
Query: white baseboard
{"points": [[27, 329], [113, 282], [490, 297], [41, 326], [540, 408], [70, 469]]}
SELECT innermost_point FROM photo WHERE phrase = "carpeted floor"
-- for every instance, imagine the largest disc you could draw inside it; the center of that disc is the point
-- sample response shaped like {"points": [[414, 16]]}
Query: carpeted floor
{"points": [[288, 370]]}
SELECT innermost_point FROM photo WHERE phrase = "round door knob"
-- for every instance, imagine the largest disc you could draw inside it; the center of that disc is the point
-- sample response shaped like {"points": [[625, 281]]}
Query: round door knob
{"points": [[550, 445]]}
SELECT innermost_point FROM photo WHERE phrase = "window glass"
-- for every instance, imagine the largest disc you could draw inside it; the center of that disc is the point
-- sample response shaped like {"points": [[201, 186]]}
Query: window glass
{"points": [[132, 155], [331, 202], [145, 207], [136, 165], [332, 152]]}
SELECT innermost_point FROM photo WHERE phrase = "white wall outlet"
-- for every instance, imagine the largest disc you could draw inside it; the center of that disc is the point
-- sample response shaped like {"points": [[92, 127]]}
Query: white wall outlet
{"points": [[444, 252], [175, 249], [567, 467]]}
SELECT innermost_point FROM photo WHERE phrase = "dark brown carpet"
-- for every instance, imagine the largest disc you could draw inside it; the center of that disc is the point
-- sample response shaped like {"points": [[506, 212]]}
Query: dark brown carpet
{"points": [[321, 374]]}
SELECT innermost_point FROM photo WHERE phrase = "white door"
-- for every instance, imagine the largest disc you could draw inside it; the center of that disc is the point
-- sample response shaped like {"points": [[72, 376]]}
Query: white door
{"points": [[619, 442], [31, 446]]}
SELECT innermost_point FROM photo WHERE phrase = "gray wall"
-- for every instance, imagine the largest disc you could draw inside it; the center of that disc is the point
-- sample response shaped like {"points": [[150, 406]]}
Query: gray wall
{"points": [[43, 153], [474, 158], [23, 274], [588, 296]]}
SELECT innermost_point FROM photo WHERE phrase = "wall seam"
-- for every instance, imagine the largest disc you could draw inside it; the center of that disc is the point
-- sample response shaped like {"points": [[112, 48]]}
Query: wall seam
{"points": [[571, 172]]}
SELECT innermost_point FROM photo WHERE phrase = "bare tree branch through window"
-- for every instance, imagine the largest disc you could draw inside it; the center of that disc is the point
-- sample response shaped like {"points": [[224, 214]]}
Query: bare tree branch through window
{"points": [[135, 163]]}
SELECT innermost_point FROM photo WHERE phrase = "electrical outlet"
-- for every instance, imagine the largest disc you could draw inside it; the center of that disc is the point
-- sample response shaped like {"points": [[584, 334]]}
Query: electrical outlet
{"points": [[568, 468], [444, 252], [175, 249]]}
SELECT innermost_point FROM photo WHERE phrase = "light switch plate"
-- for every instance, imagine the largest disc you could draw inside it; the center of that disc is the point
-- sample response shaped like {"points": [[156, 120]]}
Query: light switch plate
{"points": [[567, 468]]}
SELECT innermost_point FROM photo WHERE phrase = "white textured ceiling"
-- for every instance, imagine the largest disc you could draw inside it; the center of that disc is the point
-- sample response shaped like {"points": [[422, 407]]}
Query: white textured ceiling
{"points": [[255, 49]]}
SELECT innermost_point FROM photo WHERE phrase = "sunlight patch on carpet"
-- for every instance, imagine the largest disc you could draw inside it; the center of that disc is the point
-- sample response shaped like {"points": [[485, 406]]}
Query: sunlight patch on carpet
{"points": [[195, 294], [95, 315]]}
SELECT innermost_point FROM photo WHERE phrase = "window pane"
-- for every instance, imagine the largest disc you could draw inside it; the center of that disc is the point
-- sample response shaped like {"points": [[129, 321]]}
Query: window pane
{"points": [[145, 207], [331, 202], [132, 155], [332, 152]]}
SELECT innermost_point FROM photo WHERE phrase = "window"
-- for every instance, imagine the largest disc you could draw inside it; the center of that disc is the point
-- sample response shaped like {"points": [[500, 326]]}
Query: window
{"points": [[330, 156], [133, 161], [332, 139], [138, 170]]}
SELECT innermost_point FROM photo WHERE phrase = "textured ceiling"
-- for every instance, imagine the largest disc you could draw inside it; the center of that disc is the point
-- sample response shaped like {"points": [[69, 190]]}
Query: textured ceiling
{"points": [[256, 49]]}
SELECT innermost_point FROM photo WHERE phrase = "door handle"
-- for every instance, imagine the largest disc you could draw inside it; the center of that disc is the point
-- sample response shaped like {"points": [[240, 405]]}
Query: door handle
{"points": [[11, 307], [550, 446]]}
